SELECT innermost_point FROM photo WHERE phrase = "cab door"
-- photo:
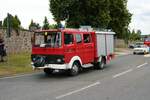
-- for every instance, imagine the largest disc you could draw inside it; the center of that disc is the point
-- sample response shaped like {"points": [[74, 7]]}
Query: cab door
{"points": [[88, 47], [69, 46], [79, 46]]}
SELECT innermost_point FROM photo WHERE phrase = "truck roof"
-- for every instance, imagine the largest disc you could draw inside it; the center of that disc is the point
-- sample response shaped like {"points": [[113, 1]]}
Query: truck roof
{"points": [[74, 30], [62, 30], [104, 32]]}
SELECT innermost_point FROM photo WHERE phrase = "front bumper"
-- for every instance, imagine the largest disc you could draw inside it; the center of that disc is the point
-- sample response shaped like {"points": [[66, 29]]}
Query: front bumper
{"points": [[138, 51], [52, 66]]}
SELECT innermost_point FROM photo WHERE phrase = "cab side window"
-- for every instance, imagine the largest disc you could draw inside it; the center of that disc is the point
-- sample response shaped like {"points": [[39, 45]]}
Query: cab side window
{"points": [[78, 38], [68, 38], [87, 38]]}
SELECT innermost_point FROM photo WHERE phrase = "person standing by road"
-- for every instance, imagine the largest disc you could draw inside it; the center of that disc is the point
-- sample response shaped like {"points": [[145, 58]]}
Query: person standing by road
{"points": [[2, 50]]}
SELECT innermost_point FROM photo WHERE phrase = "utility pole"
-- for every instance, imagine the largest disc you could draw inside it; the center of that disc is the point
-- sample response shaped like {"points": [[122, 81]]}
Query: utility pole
{"points": [[8, 26]]}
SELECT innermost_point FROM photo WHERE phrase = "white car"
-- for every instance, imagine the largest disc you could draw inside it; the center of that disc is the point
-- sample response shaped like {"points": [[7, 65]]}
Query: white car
{"points": [[141, 49]]}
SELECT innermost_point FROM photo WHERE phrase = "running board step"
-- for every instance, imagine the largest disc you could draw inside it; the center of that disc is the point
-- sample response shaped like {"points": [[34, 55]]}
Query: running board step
{"points": [[87, 65]]}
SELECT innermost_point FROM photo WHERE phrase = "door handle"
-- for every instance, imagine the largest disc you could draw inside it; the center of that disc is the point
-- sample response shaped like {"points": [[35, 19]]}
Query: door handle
{"points": [[88, 46]]}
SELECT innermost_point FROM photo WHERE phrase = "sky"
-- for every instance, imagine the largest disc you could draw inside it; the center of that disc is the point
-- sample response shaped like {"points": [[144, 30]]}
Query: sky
{"points": [[141, 15], [26, 10], [38, 9]]}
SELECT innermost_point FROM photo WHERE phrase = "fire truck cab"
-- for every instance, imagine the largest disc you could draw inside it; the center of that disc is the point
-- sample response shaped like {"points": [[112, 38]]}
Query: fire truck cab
{"points": [[71, 50]]}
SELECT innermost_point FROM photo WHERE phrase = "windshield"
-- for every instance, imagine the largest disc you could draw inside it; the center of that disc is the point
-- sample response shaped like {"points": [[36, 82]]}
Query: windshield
{"points": [[141, 46], [48, 39], [147, 39]]}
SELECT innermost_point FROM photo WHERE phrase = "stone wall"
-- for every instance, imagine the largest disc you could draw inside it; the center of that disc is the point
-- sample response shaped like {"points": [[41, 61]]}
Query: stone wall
{"points": [[18, 41], [119, 43]]}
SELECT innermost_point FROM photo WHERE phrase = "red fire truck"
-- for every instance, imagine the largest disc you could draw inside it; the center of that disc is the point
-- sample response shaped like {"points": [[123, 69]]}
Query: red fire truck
{"points": [[147, 41], [71, 50]]}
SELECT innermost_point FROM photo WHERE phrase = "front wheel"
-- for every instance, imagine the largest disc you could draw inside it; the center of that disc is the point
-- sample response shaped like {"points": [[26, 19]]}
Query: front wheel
{"points": [[48, 71], [74, 70]]}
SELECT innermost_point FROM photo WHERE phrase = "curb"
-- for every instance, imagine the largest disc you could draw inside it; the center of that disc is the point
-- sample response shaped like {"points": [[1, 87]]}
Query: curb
{"points": [[118, 54]]}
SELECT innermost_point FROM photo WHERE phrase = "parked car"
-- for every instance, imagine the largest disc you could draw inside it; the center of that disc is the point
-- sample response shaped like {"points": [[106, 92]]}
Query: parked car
{"points": [[135, 45], [131, 46], [138, 44], [141, 49]]}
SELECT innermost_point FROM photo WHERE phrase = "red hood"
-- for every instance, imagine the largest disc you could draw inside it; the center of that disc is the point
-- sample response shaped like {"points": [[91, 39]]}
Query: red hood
{"points": [[39, 50]]}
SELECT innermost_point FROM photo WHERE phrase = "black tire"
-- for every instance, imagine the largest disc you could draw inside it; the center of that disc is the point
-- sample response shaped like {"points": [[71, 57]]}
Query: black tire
{"points": [[134, 53], [100, 65], [74, 70], [48, 71]]}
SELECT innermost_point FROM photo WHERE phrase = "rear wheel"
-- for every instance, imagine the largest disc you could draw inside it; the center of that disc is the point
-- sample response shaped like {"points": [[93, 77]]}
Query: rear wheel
{"points": [[74, 70], [100, 65], [48, 71]]}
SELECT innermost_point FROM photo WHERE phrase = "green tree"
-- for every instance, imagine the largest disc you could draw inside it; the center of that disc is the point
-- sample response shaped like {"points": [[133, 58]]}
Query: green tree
{"points": [[112, 14], [0, 23], [126, 36], [138, 34], [53, 26], [81, 12], [34, 26], [14, 22], [132, 36], [120, 17], [135, 36], [45, 24]]}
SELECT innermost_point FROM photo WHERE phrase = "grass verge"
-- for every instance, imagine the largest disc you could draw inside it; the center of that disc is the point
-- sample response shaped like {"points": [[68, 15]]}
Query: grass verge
{"points": [[16, 64]]}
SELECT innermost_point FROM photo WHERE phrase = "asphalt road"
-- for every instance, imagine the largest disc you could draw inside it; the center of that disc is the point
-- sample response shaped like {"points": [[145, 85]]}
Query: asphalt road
{"points": [[124, 78]]}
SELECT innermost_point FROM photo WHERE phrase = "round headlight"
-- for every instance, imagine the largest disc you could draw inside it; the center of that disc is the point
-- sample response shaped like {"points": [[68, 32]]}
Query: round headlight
{"points": [[59, 60]]}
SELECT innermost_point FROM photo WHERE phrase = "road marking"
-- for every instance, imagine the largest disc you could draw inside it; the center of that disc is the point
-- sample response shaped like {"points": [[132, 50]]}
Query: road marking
{"points": [[17, 76], [79, 90], [148, 55], [141, 65], [122, 73]]}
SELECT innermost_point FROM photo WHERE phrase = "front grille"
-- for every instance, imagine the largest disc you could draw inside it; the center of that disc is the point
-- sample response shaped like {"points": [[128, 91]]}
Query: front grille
{"points": [[50, 59]]}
